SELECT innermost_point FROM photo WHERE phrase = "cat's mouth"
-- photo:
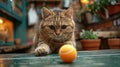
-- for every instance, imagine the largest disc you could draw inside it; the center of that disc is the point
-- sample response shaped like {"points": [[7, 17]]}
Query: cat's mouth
{"points": [[58, 38]]}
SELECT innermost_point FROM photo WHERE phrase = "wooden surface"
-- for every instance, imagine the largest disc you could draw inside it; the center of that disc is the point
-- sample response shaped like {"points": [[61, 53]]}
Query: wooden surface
{"points": [[101, 58]]}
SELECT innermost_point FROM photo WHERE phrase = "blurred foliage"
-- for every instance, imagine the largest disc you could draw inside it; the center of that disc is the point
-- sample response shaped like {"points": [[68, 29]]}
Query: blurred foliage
{"points": [[98, 5]]}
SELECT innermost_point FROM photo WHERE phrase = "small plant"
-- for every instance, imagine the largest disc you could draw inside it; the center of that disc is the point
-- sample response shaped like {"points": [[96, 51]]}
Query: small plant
{"points": [[88, 35], [100, 5]]}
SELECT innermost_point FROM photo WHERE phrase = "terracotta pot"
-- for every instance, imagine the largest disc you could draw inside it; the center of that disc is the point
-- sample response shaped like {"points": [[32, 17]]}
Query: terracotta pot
{"points": [[114, 43], [113, 9], [90, 44]]}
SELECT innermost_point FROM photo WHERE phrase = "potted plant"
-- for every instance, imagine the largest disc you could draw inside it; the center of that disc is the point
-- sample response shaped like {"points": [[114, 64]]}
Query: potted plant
{"points": [[89, 40], [100, 9], [114, 42]]}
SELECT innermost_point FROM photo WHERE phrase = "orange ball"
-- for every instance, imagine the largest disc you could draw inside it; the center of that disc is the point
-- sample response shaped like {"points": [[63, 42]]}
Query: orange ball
{"points": [[67, 53]]}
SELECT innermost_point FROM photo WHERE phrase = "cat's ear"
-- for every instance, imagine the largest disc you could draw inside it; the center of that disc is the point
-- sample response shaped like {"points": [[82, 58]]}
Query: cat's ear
{"points": [[46, 12], [68, 13]]}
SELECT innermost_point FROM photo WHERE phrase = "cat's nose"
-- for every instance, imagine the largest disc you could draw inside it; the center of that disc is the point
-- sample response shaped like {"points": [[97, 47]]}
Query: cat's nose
{"points": [[57, 32]]}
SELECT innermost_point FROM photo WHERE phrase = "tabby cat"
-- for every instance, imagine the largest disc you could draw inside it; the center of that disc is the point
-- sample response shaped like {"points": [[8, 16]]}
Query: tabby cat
{"points": [[54, 30], [3, 34]]}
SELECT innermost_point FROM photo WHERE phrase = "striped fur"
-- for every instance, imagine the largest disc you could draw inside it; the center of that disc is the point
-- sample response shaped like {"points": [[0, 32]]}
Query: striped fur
{"points": [[3, 34], [54, 30]]}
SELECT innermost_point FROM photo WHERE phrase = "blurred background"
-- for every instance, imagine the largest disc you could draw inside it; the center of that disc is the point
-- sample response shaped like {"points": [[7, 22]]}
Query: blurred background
{"points": [[18, 19]]}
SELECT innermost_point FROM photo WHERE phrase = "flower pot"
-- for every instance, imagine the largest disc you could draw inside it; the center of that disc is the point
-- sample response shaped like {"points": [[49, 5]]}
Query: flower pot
{"points": [[114, 43], [90, 44], [113, 9]]}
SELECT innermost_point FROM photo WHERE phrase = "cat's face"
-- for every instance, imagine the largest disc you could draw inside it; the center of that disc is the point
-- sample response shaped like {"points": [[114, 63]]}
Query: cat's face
{"points": [[3, 31], [58, 26]]}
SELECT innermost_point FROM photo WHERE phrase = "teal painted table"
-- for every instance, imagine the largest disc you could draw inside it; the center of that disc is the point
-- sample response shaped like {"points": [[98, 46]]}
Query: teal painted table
{"points": [[101, 58]]}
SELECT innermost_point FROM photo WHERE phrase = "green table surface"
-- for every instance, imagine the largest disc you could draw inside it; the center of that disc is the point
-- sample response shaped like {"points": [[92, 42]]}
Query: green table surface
{"points": [[100, 58]]}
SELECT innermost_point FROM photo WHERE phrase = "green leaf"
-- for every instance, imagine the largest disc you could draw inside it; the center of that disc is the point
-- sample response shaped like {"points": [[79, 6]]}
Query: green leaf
{"points": [[88, 35]]}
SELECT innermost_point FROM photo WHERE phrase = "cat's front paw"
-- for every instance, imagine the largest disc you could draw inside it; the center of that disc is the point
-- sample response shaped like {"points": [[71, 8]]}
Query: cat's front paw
{"points": [[42, 51]]}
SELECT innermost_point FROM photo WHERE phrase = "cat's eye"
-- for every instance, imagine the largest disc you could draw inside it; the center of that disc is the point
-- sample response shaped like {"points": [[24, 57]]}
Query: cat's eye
{"points": [[63, 26], [52, 27]]}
